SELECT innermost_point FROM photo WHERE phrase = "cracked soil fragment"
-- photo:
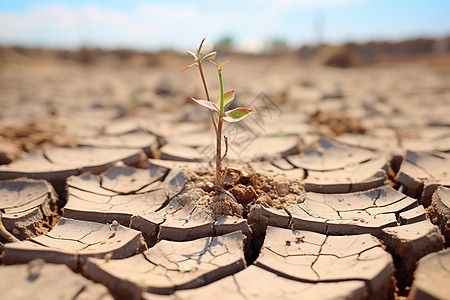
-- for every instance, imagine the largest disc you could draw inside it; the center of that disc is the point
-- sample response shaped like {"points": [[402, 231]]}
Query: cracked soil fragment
{"points": [[440, 211], [41, 281], [123, 193], [431, 277], [312, 257], [170, 266], [349, 213], [256, 283], [57, 164], [422, 173], [334, 167], [409, 243], [27, 206], [72, 241]]}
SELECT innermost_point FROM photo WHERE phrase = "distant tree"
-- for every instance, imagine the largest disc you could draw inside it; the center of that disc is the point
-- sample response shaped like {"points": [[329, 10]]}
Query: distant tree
{"points": [[225, 43], [278, 45]]}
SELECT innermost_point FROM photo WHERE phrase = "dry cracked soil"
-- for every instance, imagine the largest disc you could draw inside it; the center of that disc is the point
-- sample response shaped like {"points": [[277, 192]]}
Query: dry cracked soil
{"points": [[338, 184]]}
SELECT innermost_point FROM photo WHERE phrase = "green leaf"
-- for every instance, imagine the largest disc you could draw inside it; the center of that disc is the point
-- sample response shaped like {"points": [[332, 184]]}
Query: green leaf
{"points": [[188, 67], [223, 64], [228, 97], [236, 114], [208, 104]]}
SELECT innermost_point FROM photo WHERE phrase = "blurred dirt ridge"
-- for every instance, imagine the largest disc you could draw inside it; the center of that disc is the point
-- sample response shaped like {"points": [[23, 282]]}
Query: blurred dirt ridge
{"points": [[350, 54], [40, 89]]}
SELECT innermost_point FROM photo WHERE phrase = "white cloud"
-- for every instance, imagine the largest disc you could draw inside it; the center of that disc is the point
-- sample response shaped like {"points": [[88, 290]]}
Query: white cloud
{"points": [[33, 25], [305, 3], [59, 25], [151, 25], [167, 11]]}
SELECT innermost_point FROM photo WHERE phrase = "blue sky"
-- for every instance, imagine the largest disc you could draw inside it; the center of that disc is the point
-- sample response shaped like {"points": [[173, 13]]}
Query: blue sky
{"points": [[152, 25]]}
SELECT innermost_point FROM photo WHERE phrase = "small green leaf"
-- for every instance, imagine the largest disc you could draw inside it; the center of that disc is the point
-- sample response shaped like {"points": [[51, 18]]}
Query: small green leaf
{"points": [[188, 67], [228, 97], [223, 64], [208, 104], [236, 114]]}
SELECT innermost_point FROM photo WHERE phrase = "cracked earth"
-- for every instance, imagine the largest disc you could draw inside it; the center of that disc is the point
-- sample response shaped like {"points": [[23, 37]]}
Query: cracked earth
{"points": [[102, 197]]}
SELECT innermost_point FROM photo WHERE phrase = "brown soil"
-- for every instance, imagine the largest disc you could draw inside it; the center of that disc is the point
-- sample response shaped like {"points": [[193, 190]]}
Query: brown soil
{"points": [[124, 79], [336, 123], [40, 133], [246, 186]]}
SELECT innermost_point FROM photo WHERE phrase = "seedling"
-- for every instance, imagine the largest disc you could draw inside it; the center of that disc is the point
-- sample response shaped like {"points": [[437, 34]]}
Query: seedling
{"points": [[218, 113]]}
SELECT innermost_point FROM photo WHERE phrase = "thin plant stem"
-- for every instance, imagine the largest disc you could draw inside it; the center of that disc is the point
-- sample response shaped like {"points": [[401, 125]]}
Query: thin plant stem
{"points": [[207, 95], [219, 136], [199, 63], [218, 181], [221, 108]]}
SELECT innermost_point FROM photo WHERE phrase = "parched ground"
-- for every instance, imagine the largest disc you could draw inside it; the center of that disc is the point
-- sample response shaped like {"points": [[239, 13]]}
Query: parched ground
{"points": [[340, 179]]}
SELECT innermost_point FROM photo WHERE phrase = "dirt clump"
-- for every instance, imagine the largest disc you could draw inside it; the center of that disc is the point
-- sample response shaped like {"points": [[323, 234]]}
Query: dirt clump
{"points": [[245, 186], [36, 135], [222, 204], [334, 124], [277, 191], [9, 151], [340, 57], [245, 194]]}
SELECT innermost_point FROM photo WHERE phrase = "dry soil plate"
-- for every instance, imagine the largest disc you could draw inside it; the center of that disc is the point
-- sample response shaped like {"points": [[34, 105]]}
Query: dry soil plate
{"points": [[71, 242], [323, 243], [27, 206], [146, 200], [327, 242], [352, 213], [333, 167], [57, 164], [41, 281], [170, 266]]}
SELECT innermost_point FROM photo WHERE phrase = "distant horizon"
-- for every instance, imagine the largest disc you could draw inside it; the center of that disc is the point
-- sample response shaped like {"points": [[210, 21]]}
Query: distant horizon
{"points": [[252, 24], [233, 49]]}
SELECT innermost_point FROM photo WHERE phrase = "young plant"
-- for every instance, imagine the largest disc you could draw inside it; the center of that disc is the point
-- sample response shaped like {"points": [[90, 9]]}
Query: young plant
{"points": [[218, 113]]}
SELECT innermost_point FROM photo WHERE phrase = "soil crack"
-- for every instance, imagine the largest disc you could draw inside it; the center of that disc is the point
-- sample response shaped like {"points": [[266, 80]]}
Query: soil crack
{"points": [[317, 257]]}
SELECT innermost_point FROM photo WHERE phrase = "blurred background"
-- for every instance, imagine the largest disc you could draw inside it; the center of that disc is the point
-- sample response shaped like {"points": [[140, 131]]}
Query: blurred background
{"points": [[67, 68], [251, 26]]}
